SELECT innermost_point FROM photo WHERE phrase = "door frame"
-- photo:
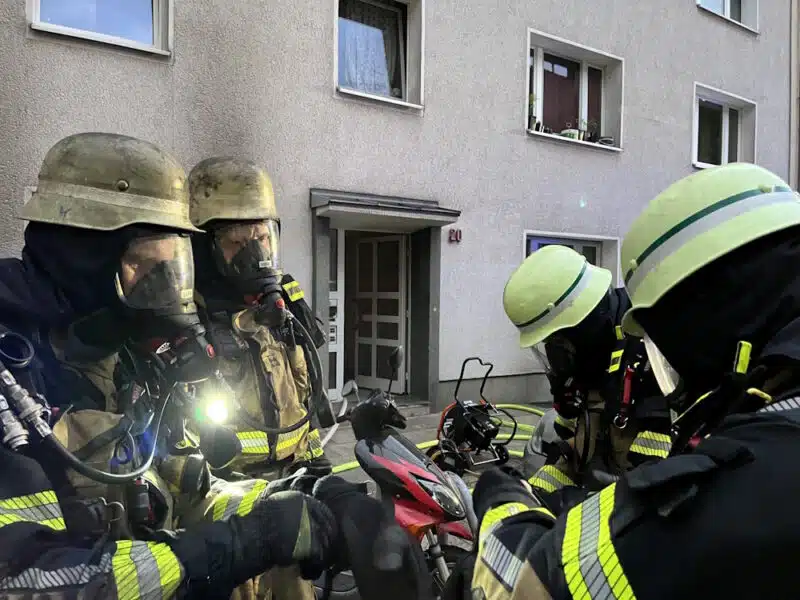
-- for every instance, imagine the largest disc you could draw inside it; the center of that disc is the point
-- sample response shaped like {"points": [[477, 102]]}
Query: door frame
{"points": [[338, 325], [400, 385]]}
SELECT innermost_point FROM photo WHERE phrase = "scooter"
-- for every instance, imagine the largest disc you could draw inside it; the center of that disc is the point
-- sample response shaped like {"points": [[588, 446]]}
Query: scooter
{"points": [[429, 503]]}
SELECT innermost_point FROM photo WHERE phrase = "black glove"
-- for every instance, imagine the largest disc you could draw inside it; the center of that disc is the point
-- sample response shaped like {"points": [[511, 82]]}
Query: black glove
{"points": [[283, 529], [386, 560], [495, 487]]}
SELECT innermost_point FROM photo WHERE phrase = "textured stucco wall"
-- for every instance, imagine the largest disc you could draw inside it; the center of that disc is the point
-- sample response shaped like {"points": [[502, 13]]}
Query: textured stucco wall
{"points": [[255, 78]]}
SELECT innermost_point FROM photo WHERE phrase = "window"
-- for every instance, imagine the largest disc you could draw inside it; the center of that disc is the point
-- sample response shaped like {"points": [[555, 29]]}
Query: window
{"points": [[140, 24], [743, 12], [590, 249], [379, 50], [574, 92], [724, 128]]}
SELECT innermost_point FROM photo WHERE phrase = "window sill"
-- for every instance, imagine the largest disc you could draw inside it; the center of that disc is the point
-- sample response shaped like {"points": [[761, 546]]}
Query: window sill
{"points": [[729, 20], [98, 37], [560, 138], [701, 165], [373, 97]]}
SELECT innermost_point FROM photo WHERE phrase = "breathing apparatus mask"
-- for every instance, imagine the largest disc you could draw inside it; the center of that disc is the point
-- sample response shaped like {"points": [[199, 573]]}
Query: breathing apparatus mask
{"points": [[247, 255], [155, 327]]}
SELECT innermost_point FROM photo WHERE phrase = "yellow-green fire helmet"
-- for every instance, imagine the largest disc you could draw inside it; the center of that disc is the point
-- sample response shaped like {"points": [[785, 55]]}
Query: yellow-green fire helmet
{"points": [[696, 221], [230, 189], [553, 289], [106, 181]]}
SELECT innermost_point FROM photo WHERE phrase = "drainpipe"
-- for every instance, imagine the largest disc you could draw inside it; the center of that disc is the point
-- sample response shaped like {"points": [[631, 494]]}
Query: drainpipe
{"points": [[794, 105]]}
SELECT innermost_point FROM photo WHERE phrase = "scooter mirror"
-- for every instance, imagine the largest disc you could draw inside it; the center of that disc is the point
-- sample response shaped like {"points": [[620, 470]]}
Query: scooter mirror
{"points": [[350, 387], [396, 359]]}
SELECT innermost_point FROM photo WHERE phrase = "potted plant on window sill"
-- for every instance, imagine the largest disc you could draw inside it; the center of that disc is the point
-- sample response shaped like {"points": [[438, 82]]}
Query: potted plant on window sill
{"points": [[592, 131]]}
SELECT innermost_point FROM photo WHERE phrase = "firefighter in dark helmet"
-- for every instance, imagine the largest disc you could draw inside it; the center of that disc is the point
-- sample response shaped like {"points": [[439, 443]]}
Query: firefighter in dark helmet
{"points": [[108, 265], [261, 353], [609, 411], [712, 267]]}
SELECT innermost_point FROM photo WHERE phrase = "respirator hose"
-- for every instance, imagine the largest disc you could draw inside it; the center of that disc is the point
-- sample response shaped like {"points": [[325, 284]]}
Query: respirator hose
{"points": [[318, 395], [102, 476]]}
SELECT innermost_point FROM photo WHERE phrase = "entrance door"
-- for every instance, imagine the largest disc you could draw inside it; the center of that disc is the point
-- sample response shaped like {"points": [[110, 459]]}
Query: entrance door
{"points": [[381, 299], [336, 335]]}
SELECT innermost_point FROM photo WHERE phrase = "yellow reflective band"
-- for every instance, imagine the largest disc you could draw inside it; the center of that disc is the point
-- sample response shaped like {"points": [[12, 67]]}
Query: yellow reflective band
{"points": [[616, 360], [570, 424], [30, 501], [220, 504], [239, 499], [314, 445], [169, 569], [250, 498], [760, 394], [619, 333], [494, 515], [591, 566], [742, 362], [124, 569], [41, 508], [549, 478], [650, 443], [293, 291], [253, 442], [288, 440], [145, 570]]}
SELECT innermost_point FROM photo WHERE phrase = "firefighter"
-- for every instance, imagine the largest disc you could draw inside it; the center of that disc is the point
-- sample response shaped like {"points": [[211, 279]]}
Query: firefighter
{"points": [[237, 259], [107, 264], [712, 267], [600, 378]]}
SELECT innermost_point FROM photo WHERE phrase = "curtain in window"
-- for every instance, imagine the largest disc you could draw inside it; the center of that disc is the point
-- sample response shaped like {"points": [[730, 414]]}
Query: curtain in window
{"points": [[561, 93], [369, 47]]}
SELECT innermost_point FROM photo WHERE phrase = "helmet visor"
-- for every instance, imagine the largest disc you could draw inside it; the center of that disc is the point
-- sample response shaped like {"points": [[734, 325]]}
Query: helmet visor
{"points": [[248, 249], [156, 272], [557, 354], [665, 375]]}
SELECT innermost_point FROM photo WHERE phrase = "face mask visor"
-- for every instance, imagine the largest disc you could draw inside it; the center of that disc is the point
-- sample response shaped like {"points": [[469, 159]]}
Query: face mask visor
{"points": [[156, 273], [247, 251], [665, 375], [556, 355]]}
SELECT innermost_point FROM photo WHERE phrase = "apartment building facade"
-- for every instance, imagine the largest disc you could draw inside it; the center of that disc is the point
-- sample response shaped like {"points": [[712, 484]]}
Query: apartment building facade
{"points": [[419, 149]]}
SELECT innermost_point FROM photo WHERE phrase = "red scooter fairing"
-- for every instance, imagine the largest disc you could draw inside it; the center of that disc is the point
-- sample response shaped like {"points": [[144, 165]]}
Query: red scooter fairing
{"points": [[403, 472]]}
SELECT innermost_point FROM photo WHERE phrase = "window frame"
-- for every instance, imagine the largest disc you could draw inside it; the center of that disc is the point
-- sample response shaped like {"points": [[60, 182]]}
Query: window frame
{"points": [[163, 11], [587, 58], [406, 44], [726, 14], [608, 247], [727, 101]]}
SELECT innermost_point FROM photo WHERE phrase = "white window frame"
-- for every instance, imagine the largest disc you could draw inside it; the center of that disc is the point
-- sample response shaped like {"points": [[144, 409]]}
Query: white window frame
{"points": [[587, 57], [405, 47], [726, 14], [162, 29], [727, 101], [608, 252]]}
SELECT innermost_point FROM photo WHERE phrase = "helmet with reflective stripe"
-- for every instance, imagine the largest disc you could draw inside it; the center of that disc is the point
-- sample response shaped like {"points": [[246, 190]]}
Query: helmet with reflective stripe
{"points": [[696, 221], [230, 189], [553, 289], [106, 181]]}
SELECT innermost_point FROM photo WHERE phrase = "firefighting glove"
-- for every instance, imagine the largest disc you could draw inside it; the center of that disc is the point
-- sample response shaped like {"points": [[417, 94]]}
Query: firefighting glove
{"points": [[283, 529], [495, 488], [386, 561]]}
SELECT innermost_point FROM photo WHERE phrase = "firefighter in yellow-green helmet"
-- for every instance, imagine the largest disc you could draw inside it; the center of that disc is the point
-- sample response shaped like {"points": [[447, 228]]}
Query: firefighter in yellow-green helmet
{"points": [[712, 266], [603, 393]]}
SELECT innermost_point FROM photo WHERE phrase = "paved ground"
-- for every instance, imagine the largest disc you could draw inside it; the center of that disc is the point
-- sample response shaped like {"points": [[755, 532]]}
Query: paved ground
{"points": [[421, 427]]}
